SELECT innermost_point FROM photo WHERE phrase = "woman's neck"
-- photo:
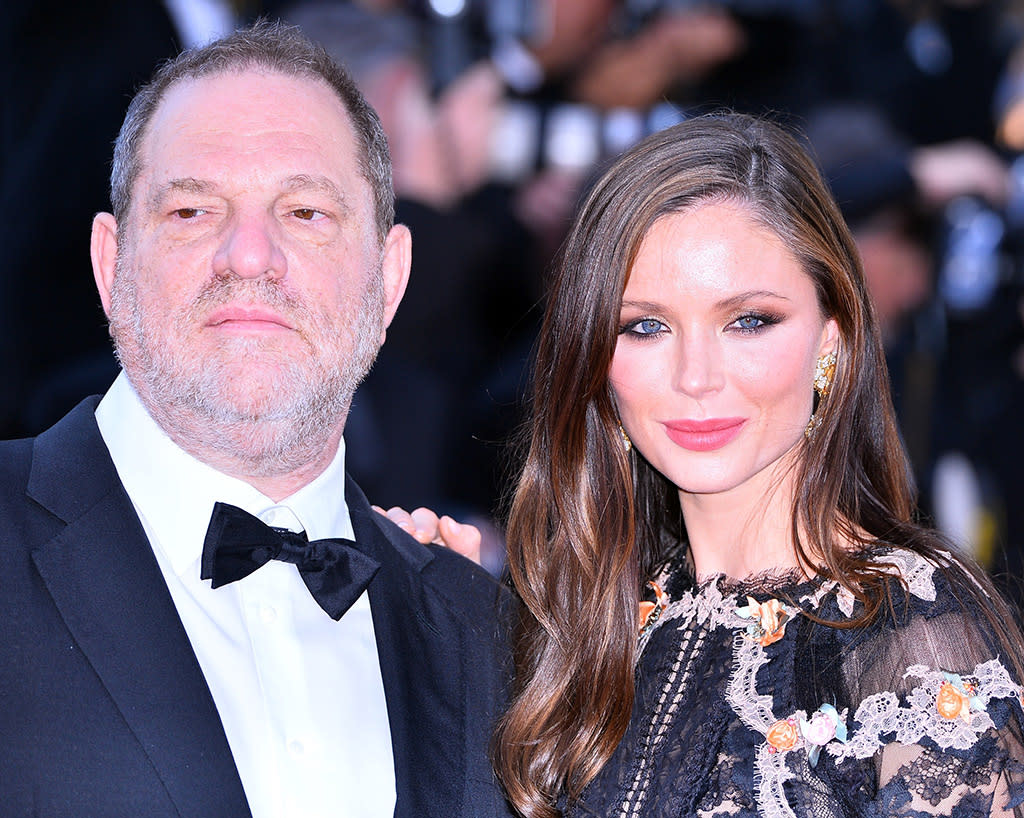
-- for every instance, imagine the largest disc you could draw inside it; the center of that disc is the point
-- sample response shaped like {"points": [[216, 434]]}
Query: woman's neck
{"points": [[745, 531]]}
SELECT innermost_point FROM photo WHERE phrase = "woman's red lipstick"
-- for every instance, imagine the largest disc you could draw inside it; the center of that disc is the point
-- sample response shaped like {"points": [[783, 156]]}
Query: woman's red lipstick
{"points": [[703, 435]]}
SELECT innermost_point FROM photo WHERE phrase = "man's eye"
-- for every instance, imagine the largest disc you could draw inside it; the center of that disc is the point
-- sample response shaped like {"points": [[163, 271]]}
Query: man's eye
{"points": [[188, 212], [307, 214]]}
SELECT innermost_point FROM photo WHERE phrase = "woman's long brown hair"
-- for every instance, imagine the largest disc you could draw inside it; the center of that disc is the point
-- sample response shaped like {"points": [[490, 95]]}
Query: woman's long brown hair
{"points": [[590, 523]]}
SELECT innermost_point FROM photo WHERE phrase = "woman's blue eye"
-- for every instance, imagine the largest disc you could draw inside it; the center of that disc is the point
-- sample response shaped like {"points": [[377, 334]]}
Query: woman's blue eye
{"points": [[648, 326], [749, 322]]}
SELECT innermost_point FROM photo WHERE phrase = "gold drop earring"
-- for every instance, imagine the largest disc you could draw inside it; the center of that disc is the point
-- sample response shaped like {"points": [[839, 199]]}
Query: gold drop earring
{"points": [[824, 372], [626, 442]]}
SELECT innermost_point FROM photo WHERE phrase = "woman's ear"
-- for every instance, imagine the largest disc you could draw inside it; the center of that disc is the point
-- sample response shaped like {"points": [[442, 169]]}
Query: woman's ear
{"points": [[830, 338]]}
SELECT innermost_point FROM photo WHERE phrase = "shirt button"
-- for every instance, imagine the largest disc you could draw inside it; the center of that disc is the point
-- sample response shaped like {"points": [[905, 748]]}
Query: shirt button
{"points": [[295, 747], [267, 614]]}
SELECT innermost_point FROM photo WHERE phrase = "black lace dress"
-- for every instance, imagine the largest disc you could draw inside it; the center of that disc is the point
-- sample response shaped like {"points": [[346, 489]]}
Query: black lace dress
{"points": [[744, 707]]}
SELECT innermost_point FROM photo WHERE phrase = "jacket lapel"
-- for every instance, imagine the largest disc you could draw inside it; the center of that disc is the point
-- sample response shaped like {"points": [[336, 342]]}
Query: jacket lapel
{"points": [[421, 654], [101, 573]]}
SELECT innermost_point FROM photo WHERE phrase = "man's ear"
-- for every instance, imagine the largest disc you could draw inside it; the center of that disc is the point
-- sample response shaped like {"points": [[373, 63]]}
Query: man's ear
{"points": [[395, 267], [103, 251]]}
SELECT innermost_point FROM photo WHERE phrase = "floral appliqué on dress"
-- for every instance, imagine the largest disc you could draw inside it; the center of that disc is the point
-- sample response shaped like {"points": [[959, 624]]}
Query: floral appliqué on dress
{"points": [[724, 722]]}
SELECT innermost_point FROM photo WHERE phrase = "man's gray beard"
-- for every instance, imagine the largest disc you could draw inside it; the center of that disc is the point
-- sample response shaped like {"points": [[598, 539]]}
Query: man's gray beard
{"points": [[290, 423]]}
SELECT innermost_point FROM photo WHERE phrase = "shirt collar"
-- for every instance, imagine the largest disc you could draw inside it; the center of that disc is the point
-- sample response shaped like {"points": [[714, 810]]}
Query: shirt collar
{"points": [[174, 493]]}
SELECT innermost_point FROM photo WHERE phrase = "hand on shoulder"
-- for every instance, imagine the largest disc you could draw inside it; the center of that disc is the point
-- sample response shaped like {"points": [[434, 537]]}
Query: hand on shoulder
{"points": [[427, 527]]}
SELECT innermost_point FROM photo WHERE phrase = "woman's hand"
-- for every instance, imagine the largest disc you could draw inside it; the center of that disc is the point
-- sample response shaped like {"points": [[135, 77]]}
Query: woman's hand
{"points": [[426, 526]]}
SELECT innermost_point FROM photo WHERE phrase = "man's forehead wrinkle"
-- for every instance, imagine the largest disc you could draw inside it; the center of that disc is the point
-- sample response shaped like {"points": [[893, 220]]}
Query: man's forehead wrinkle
{"points": [[187, 184], [296, 183], [322, 184]]}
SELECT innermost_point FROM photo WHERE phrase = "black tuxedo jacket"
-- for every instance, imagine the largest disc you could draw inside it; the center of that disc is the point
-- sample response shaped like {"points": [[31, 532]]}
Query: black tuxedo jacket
{"points": [[104, 710]]}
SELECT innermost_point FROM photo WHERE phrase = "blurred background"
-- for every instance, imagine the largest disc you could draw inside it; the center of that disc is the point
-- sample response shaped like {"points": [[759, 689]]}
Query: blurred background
{"points": [[499, 114]]}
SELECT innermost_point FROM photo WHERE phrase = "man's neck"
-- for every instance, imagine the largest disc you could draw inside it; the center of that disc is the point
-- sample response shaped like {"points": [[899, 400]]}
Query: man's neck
{"points": [[277, 477], [276, 457]]}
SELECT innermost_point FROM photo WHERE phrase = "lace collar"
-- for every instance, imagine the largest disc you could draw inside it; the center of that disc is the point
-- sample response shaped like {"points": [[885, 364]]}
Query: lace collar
{"points": [[715, 599]]}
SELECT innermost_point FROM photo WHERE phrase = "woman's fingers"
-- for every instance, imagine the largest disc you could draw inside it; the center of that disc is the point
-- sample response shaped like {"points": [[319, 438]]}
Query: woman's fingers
{"points": [[426, 526]]}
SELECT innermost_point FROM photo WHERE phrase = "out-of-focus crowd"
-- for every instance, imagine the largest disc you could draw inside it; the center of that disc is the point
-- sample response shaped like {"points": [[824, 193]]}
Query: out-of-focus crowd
{"points": [[499, 113]]}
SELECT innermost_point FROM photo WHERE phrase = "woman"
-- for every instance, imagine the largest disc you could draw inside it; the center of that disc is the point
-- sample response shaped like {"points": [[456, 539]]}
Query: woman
{"points": [[713, 444]]}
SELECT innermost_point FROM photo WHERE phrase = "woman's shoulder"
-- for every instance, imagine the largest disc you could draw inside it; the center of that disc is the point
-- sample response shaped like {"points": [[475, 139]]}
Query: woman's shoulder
{"points": [[914, 588], [932, 657], [929, 684]]}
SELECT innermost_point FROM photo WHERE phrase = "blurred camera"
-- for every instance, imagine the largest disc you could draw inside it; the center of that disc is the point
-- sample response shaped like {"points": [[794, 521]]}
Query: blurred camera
{"points": [[982, 249]]}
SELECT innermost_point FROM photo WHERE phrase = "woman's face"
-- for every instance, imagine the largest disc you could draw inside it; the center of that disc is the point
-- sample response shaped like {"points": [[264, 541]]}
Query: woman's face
{"points": [[713, 369]]}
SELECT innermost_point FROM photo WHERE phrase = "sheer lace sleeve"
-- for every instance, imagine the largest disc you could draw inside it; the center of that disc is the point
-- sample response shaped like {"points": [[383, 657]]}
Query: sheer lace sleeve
{"points": [[752, 703], [939, 714]]}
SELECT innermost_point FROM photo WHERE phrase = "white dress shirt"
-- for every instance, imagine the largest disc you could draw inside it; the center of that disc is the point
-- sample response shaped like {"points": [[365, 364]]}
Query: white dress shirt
{"points": [[299, 694]]}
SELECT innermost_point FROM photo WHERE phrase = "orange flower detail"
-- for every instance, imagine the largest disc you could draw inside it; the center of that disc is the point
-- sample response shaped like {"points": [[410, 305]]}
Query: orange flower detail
{"points": [[772, 616], [771, 637], [646, 608], [783, 735], [951, 703], [769, 620], [650, 611]]}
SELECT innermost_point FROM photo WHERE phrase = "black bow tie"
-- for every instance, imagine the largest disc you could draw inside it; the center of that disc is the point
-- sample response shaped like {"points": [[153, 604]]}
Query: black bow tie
{"points": [[237, 543]]}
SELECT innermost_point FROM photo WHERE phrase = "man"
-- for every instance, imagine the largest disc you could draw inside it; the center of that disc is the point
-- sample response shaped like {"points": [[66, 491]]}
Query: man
{"points": [[249, 271]]}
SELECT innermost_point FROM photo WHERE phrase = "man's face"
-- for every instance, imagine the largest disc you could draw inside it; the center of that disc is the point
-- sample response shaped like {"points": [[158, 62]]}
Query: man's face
{"points": [[249, 285]]}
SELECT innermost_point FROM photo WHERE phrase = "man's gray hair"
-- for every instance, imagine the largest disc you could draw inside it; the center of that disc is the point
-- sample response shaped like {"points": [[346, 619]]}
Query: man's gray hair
{"points": [[269, 46]]}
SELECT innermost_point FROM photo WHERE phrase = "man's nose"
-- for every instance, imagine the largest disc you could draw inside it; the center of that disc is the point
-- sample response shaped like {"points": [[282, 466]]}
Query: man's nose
{"points": [[250, 247]]}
